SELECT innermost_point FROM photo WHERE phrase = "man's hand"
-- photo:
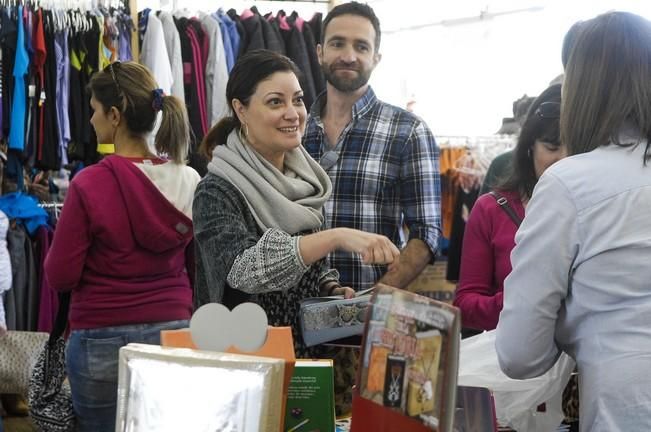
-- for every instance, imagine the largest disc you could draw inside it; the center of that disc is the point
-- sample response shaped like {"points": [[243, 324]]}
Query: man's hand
{"points": [[413, 260]]}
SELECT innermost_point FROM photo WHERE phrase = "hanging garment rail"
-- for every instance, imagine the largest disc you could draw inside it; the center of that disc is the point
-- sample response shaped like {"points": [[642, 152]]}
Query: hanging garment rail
{"points": [[476, 141]]}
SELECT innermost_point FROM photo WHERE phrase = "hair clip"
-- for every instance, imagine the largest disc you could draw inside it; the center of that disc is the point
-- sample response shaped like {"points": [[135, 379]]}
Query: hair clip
{"points": [[157, 103]]}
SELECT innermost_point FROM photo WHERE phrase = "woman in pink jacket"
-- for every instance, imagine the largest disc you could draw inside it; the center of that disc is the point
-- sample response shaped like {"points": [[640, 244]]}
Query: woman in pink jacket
{"points": [[495, 217], [123, 241]]}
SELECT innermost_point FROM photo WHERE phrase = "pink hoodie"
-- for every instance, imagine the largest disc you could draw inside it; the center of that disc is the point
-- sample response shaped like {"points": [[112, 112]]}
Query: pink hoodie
{"points": [[120, 246]]}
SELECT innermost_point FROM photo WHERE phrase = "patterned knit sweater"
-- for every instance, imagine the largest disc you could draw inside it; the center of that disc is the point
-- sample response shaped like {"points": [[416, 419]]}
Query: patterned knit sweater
{"points": [[237, 262]]}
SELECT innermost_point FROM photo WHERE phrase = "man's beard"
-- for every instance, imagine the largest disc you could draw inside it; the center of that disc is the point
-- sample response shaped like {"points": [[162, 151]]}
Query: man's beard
{"points": [[345, 85]]}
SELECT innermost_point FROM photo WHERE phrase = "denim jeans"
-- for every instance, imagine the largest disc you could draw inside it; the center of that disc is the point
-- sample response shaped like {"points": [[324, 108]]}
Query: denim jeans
{"points": [[92, 365]]}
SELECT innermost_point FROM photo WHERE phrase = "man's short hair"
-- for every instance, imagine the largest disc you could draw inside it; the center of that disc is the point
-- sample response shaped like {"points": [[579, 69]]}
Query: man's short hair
{"points": [[354, 8]]}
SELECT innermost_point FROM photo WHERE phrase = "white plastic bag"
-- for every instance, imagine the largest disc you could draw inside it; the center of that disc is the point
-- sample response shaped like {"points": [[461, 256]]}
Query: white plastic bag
{"points": [[516, 401]]}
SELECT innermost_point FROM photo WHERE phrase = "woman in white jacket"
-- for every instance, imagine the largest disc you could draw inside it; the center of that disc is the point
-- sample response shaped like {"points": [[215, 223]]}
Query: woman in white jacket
{"points": [[581, 279]]}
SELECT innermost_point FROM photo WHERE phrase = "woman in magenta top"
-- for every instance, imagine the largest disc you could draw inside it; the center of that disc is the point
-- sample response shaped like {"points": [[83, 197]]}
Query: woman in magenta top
{"points": [[490, 230]]}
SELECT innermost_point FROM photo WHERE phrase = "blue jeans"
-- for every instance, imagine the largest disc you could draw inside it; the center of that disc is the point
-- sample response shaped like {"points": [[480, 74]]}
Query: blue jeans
{"points": [[92, 365]]}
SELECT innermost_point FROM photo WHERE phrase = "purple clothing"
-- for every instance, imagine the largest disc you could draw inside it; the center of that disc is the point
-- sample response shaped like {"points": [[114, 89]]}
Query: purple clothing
{"points": [[49, 299], [120, 247], [486, 261], [62, 92], [198, 66], [124, 42]]}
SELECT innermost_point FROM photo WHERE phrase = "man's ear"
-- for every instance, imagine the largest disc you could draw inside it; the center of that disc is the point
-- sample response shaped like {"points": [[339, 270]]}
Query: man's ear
{"points": [[377, 57], [319, 53]]}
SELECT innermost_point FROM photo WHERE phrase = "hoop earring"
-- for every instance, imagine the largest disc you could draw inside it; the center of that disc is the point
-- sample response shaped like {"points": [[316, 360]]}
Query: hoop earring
{"points": [[244, 135]]}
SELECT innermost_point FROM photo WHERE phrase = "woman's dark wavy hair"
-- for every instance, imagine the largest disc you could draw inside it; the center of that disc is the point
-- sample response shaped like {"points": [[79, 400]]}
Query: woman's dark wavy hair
{"points": [[522, 176], [252, 68]]}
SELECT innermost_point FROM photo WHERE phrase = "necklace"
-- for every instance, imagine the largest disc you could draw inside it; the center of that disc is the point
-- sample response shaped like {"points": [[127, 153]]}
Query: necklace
{"points": [[426, 391], [394, 386]]}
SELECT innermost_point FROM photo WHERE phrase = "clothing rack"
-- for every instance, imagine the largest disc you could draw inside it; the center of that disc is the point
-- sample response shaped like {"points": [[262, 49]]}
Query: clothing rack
{"points": [[131, 7], [479, 141], [53, 208], [51, 205], [227, 4]]}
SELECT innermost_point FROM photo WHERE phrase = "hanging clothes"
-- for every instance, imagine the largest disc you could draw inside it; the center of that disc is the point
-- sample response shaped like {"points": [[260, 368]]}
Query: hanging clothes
{"points": [[297, 51], [240, 30], [21, 301], [194, 90], [125, 28], [62, 92], [216, 74], [230, 37], [310, 45], [48, 143], [83, 146], [154, 54], [270, 33], [464, 203], [316, 25], [48, 298], [251, 23], [8, 43], [21, 66], [173, 46]]}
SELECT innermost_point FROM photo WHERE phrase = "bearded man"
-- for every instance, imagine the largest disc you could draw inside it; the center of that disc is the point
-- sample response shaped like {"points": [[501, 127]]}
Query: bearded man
{"points": [[383, 161]]}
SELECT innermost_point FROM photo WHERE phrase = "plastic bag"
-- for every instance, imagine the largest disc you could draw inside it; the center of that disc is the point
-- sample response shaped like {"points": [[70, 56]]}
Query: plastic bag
{"points": [[516, 401]]}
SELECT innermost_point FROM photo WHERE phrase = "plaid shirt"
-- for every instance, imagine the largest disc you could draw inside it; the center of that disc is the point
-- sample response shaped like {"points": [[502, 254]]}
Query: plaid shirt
{"points": [[386, 173]]}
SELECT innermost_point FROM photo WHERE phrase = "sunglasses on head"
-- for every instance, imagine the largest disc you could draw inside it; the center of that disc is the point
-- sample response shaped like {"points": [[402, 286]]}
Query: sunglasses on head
{"points": [[549, 110], [111, 70]]}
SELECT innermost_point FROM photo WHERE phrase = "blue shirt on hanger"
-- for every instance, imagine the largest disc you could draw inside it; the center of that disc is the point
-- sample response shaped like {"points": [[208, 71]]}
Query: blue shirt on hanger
{"points": [[230, 28], [21, 65]]}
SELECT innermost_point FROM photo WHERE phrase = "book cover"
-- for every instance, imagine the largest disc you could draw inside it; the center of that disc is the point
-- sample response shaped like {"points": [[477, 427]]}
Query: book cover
{"points": [[310, 400], [409, 368]]}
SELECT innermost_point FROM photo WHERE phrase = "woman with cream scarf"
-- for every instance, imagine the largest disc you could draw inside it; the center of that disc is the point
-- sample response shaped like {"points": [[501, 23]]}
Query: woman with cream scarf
{"points": [[258, 212]]}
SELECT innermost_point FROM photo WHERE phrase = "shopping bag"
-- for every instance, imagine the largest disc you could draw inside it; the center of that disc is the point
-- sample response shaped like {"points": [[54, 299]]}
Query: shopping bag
{"points": [[516, 401]]}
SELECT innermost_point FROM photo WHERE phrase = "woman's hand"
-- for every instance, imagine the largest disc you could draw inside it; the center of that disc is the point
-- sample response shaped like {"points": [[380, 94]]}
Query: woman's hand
{"points": [[374, 248], [347, 292]]}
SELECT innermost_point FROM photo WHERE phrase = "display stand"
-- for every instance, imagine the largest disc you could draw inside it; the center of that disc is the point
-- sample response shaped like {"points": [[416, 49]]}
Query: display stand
{"points": [[279, 344]]}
